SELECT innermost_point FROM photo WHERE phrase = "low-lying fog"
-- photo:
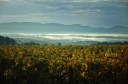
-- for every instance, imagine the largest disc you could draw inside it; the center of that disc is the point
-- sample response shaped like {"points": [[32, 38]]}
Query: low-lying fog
{"points": [[67, 38]]}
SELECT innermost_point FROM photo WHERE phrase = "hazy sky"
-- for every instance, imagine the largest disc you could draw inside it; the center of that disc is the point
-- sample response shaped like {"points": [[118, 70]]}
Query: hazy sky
{"points": [[99, 13]]}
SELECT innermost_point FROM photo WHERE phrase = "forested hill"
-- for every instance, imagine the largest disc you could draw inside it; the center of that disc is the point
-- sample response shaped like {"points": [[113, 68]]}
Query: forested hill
{"points": [[7, 41]]}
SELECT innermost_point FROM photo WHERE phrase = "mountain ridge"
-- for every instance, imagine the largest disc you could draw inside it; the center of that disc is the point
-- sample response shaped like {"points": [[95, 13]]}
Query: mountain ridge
{"points": [[32, 27]]}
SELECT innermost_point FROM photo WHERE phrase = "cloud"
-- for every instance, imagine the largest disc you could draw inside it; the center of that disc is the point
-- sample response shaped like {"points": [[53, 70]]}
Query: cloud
{"points": [[65, 11], [68, 5], [25, 18], [5, 0]]}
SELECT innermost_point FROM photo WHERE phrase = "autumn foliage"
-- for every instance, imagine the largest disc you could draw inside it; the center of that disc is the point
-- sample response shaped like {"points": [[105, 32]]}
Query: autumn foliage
{"points": [[93, 64]]}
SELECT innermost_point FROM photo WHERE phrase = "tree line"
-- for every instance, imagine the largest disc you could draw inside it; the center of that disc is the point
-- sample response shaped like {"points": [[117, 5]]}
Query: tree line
{"points": [[112, 43]]}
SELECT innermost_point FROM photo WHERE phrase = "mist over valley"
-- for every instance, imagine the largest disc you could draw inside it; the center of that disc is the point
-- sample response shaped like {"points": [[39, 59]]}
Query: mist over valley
{"points": [[54, 33]]}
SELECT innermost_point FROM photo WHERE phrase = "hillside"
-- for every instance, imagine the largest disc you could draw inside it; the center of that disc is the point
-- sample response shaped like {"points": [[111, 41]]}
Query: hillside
{"points": [[7, 41]]}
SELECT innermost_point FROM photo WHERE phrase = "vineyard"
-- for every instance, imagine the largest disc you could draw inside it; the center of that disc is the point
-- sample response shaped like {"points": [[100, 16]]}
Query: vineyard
{"points": [[93, 64]]}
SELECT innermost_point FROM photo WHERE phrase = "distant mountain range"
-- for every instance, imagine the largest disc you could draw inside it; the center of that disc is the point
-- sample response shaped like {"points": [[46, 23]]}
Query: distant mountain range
{"points": [[53, 28]]}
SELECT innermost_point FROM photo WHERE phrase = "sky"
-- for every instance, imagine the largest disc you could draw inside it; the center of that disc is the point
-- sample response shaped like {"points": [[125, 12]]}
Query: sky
{"points": [[95, 13]]}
